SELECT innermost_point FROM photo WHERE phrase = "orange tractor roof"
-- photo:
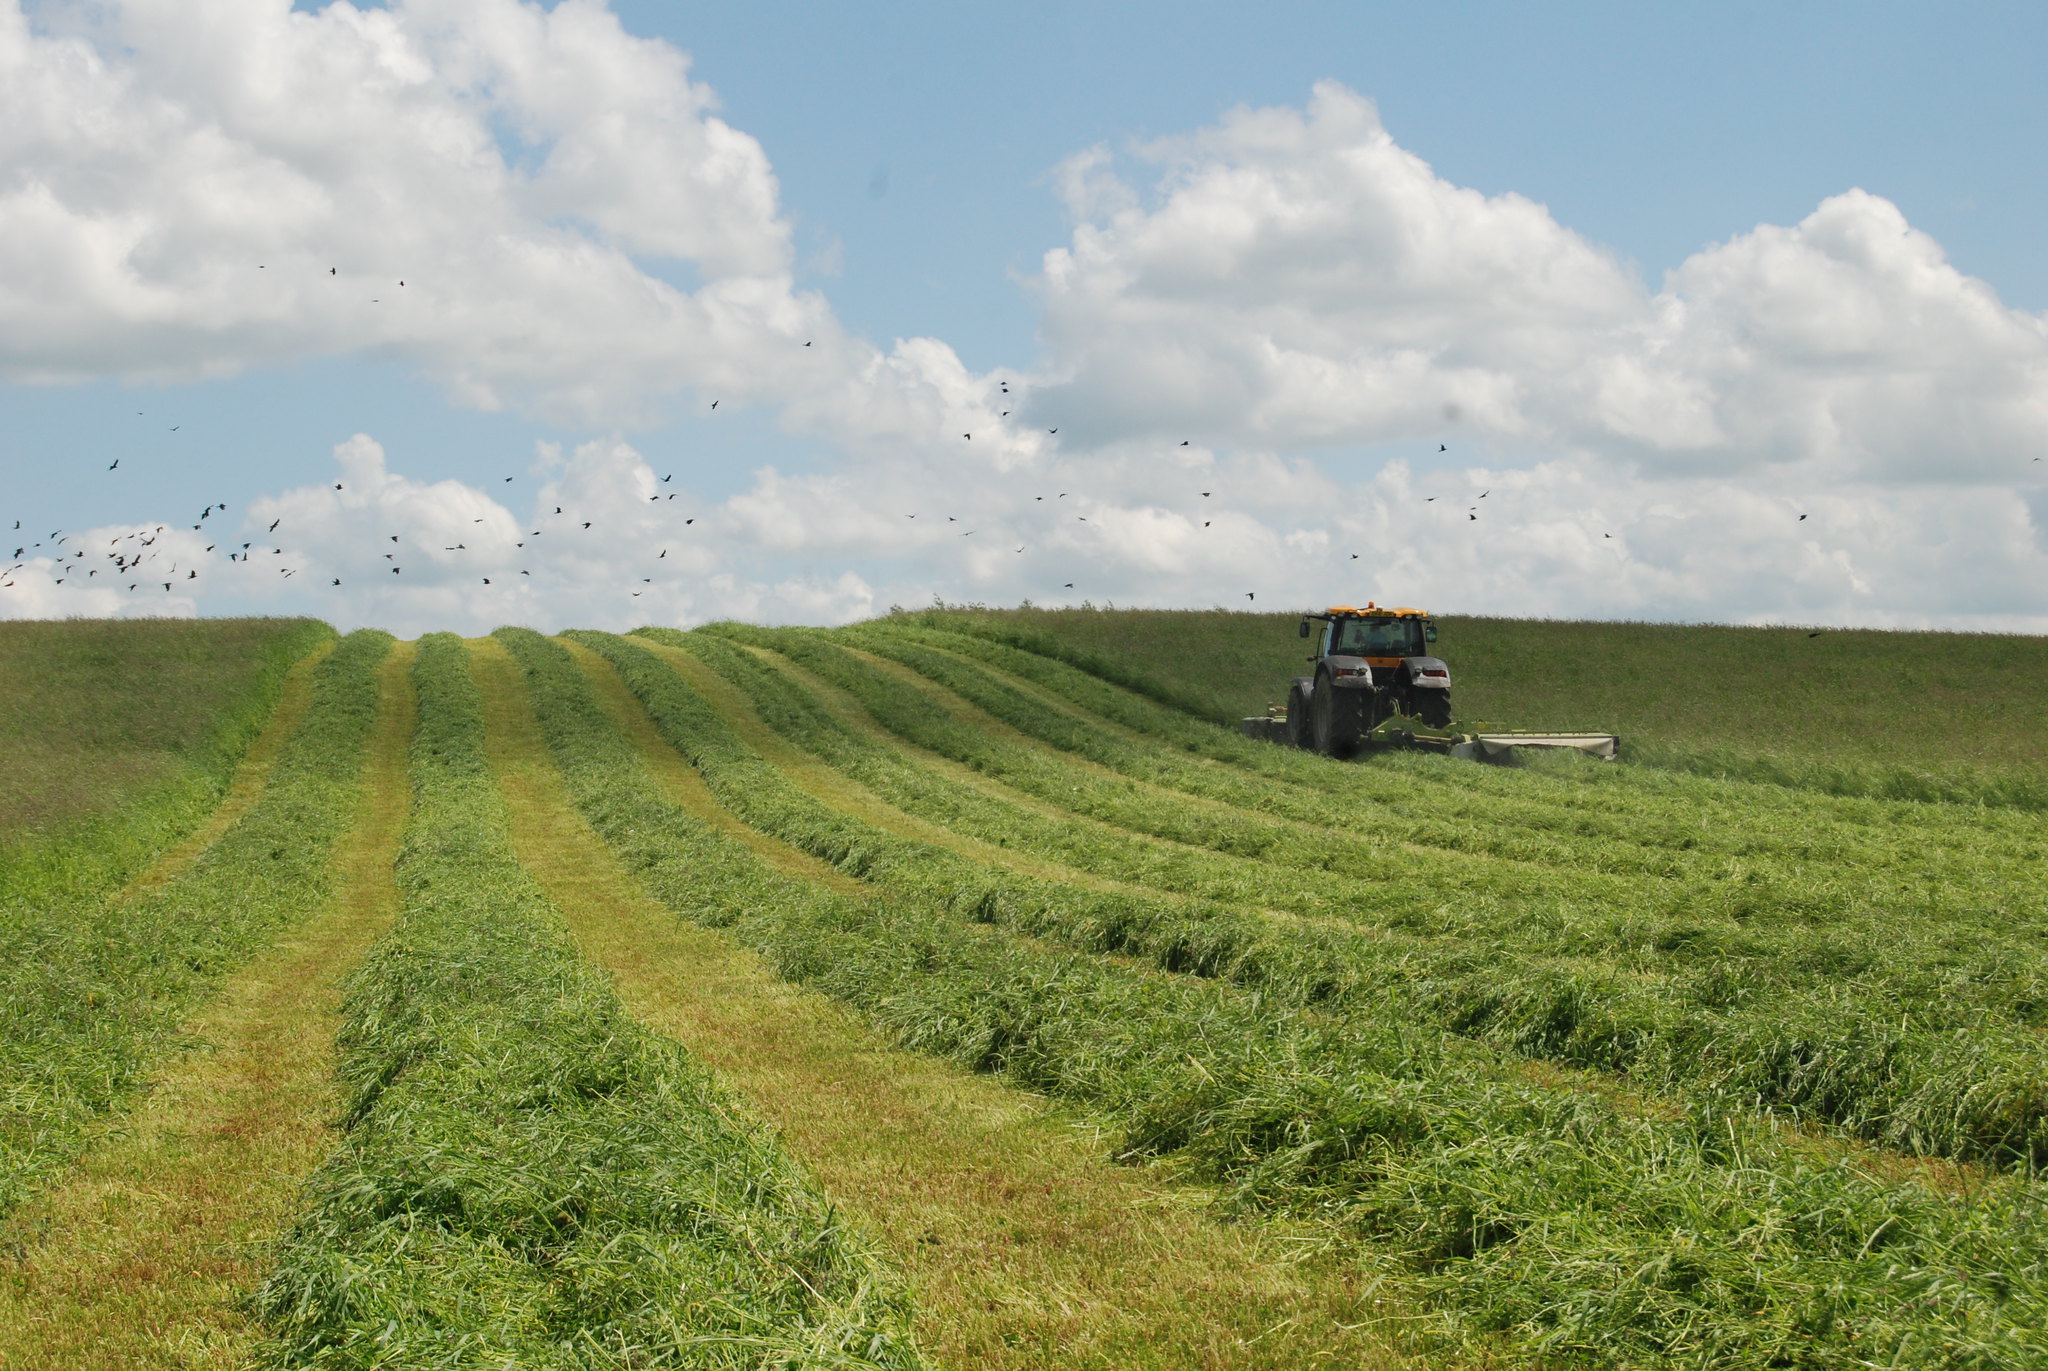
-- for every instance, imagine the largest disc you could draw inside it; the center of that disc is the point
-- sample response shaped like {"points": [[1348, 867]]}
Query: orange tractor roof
{"points": [[1377, 611]]}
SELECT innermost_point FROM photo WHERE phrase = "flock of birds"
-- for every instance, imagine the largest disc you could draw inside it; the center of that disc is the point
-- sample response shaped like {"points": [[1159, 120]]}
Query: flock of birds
{"points": [[127, 555]]}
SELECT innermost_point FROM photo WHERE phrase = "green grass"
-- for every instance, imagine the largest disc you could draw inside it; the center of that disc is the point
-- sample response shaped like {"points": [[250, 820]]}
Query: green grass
{"points": [[1936, 1050], [1574, 1223], [120, 735], [1857, 711], [529, 1177], [92, 990]]}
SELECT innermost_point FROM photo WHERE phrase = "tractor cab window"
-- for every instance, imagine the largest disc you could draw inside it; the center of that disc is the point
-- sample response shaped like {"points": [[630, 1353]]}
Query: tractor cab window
{"points": [[1378, 638]]}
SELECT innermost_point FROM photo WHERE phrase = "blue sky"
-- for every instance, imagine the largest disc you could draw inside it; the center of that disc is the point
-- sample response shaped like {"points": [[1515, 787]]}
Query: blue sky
{"points": [[915, 151]]}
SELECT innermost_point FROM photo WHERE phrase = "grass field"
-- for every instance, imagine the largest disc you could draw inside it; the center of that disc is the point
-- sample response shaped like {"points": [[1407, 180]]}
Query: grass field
{"points": [[1911, 715], [959, 989]]}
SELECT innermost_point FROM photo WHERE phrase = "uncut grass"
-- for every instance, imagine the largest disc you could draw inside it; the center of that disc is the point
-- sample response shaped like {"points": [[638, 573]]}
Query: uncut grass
{"points": [[529, 1177], [1834, 713], [1576, 1228], [144, 1253], [1878, 1054], [121, 736], [91, 992], [1025, 1247]]}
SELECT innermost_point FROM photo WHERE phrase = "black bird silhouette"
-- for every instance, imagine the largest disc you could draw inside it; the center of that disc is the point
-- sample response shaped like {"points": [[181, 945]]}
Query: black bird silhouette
{"points": [[1054, 430], [337, 485], [275, 522], [967, 435], [1250, 596], [1473, 517], [330, 271], [806, 344], [1813, 635], [176, 427], [1354, 556], [1183, 442], [1484, 493], [1070, 585], [586, 523], [670, 477], [1205, 523], [337, 580], [1441, 448], [714, 404], [689, 521], [1800, 520], [394, 537], [508, 480], [110, 466]]}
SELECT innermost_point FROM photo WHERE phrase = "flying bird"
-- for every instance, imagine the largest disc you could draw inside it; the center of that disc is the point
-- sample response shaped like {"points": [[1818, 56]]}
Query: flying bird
{"points": [[110, 466], [1183, 442], [1249, 595], [275, 522], [1800, 520], [714, 404], [1441, 448], [1054, 430]]}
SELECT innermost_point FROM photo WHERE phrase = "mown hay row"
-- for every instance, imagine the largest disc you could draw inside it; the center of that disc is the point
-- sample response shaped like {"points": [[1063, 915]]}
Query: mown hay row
{"points": [[1851, 1054], [529, 1177], [1571, 1224], [91, 994]]}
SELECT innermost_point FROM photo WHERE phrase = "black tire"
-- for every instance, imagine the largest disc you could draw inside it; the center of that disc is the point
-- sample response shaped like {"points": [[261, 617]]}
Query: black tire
{"points": [[1341, 718], [1299, 729], [1433, 707]]}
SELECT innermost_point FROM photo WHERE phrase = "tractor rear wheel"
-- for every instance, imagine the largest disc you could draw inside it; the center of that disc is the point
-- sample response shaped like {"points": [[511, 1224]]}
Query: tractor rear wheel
{"points": [[1340, 718], [1433, 707]]}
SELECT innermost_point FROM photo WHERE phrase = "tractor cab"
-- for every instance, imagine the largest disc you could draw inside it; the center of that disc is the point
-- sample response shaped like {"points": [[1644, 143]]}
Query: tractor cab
{"points": [[1384, 637]]}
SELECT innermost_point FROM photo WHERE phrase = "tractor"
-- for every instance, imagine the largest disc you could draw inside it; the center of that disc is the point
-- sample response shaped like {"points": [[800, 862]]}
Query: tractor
{"points": [[1371, 664]]}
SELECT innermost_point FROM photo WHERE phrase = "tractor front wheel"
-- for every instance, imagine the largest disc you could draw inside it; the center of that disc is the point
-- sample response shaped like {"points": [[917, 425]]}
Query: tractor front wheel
{"points": [[1433, 707], [1300, 720], [1340, 718]]}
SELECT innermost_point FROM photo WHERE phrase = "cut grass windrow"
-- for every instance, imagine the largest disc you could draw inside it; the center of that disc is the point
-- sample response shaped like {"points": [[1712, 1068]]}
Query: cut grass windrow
{"points": [[1557, 1218], [143, 1254], [1848, 1053], [1028, 1251], [91, 995], [530, 1177]]}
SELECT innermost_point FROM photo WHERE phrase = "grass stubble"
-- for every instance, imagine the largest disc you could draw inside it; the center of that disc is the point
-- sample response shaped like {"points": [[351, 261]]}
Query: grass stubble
{"points": [[143, 1254], [1025, 1247]]}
